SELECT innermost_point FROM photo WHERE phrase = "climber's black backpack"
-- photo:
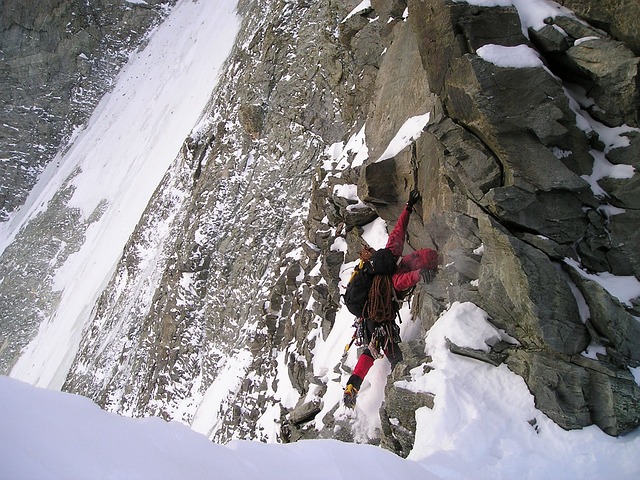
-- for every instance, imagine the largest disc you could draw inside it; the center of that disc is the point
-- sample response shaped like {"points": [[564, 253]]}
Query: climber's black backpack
{"points": [[371, 263]]}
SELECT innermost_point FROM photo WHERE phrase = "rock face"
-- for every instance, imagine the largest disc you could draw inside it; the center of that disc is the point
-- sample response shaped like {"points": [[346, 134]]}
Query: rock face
{"points": [[58, 59], [219, 296], [615, 18], [506, 162], [529, 195]]}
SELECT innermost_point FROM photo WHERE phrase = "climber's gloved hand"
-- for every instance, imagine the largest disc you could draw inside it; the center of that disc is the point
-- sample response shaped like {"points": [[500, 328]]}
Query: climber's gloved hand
{"points": [[427, 275], [414, 197]]}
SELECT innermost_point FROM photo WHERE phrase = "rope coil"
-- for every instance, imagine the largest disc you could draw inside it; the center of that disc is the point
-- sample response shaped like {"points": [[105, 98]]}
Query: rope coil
{"points": [[380, 305]]}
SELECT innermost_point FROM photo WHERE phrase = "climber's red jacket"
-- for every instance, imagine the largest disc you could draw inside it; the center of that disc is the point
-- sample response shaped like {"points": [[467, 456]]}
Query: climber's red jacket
{"points": [[408, 273]]}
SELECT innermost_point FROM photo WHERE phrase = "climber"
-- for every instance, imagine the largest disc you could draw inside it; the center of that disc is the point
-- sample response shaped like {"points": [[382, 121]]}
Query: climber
{"points": [[379, 329]]}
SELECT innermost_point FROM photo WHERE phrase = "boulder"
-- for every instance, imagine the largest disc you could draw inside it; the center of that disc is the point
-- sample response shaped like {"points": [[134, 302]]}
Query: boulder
{"points": [[489, 25], [378, 183], [305, 412], [398, 412], [342, 210], [251, 117], [550, 40], [627, 155], [609, 72], [574, 28], [557, 214], [447, 30], [624, 192], [389, 9], [468, 163], [575, 395], [523, 292], [520, 114], [624, 255]]}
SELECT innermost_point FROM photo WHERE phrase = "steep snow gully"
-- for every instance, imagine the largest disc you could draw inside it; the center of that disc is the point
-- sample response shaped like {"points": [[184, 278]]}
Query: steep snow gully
{"points": [[110, 170]]}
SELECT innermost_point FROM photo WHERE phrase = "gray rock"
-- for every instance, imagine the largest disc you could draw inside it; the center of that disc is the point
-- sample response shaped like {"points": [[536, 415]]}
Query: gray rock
{"points": [[558, 387], [576, 29], [398, 410], [553, 250], [399, 415], [624, 193], [377, 184], [614, 402], [341, 210], [491, 357], [557, 215], [629, 155], [524, 294], [618, 18], [581, 392], [550, 40], [624, 254], [305, 412], [609, 72], [517, 113], [251, 117], [401, 91], [610, 319], [490, 25], [472, 167]]}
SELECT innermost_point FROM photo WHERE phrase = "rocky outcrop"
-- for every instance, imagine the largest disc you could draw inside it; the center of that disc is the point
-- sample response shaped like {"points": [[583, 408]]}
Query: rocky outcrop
{"points": [[510, 200], [605, 68]]}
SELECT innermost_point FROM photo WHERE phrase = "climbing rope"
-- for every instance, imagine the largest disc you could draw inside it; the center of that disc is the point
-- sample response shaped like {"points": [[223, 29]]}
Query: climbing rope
{"points": [[380, 304]]}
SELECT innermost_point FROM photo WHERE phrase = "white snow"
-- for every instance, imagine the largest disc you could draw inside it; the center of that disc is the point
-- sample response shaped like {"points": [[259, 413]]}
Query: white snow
{"points": [[624, 288], [56, 436], [226, 384], [130, 140], [534, 12], [408, 133], [520, 56], [350, 192], [603, 168], [338, 154], [361, 7], [584, 39], [484, 425], [481, 425]]}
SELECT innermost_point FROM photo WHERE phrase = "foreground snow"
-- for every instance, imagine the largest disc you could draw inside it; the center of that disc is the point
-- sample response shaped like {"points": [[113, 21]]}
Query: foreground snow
{"points": [[480, 427], [52, 435]]}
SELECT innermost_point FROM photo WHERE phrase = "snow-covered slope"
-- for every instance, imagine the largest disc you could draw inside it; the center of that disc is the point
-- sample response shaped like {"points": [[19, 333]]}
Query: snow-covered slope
{"points": [[55, 436], [95, 193]]}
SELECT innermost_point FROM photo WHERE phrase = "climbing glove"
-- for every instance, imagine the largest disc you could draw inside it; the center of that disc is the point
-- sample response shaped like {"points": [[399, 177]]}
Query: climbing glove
{"points": [[414, 197], [427, 275]]}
